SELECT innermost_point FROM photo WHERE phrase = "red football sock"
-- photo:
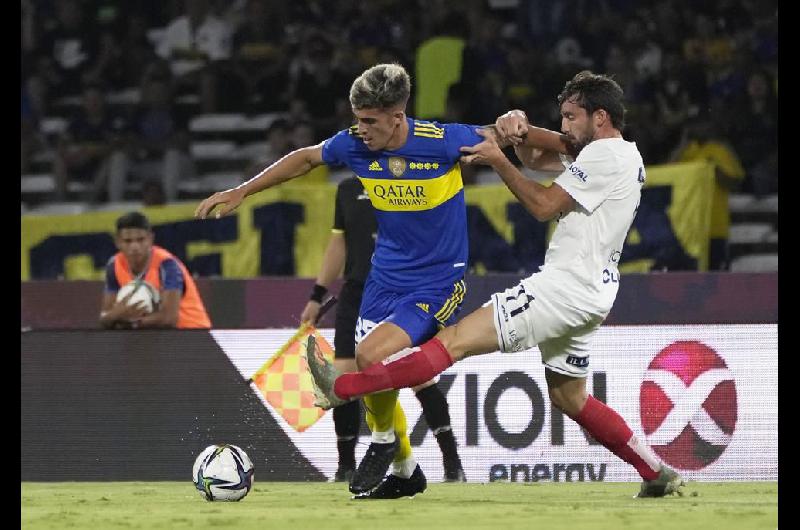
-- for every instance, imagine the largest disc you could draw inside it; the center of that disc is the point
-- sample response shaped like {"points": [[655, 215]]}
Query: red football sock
{"points": [[608, 428], [404, 369]]}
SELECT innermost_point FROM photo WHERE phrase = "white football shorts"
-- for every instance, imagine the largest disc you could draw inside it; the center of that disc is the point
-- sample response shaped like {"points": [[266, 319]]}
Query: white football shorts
{"points": [[541, 311]]}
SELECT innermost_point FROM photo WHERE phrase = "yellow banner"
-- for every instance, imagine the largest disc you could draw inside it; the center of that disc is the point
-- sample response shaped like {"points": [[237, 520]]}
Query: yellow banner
{"points": [[293, 221], [691, 186], [240, 257]]}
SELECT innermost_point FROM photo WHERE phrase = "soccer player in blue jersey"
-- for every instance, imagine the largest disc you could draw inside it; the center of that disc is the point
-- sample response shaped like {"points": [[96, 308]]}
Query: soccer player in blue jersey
{"points": [[410, 170]]}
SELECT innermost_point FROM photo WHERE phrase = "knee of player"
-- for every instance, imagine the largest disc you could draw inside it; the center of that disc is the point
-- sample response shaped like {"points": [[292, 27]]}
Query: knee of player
{"points": [[452, 341], [364, 360], [345, 365]]}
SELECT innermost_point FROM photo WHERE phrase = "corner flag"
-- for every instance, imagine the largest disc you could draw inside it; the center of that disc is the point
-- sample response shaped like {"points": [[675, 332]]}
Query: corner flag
{"points": [[285, 382]]}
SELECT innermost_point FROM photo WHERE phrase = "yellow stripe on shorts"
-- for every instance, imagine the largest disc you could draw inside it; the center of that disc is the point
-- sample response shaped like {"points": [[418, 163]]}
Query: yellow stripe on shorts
{"points": [[452, 303]]}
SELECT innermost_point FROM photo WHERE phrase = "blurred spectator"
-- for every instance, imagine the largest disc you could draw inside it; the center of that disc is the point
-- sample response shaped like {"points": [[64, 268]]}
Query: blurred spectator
{"points": [[371, 28], [160, 139], [28, 20], [619, 64], [312, 14], [92, 149], [568, 53], [124, 50], [260, 60], [153, 194], [727, 81], [283, 137], [279, 143], [645, 55], [30, 140], [38, 77], [653, 142], [303, 133], [319, 84], [543, 21], [68, 48], [179, 303], [484, 66], [298, 111], [566, 59], [108, 62], [668, 26], [765, 34], [755, 133], [192, 43], [134, 55], [673, 106], [706, 43], [701, 141]]}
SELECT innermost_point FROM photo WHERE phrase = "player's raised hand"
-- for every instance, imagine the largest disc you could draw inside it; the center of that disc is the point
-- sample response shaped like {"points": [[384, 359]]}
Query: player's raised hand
{"points": [[512, 126], [487, 152], [229, 199]]}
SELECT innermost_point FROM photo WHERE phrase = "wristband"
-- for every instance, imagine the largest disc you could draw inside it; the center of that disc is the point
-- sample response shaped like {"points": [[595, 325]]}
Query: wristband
{"points": [[318, 292]]}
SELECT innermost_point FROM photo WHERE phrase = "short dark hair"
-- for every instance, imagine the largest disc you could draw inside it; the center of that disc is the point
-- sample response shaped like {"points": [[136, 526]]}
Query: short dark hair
{"points": [[133, 220], [595, 92]]}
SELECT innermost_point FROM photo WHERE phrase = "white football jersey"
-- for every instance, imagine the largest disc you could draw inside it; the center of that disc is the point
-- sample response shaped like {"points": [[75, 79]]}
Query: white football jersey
{"points": [[606, 181]]}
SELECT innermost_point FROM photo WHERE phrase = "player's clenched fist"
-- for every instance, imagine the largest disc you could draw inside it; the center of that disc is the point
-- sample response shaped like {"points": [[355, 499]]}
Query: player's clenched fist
{"points": [[512, 126]]}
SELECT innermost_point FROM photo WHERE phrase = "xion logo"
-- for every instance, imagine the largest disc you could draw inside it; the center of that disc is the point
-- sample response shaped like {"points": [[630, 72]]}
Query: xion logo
{"points": [[688, 405]]}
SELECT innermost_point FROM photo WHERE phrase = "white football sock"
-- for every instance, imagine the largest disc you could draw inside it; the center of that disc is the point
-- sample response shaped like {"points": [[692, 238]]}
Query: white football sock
{"points": [[404, 468], [384, 437]]}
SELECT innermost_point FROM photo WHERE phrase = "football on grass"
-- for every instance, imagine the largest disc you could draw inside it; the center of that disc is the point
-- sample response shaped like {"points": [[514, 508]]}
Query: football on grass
{"points": [[223, 473]]}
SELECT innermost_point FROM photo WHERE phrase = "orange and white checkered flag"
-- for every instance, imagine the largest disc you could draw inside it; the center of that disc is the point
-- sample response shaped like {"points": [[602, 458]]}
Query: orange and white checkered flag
{"points": [[285, 382]]}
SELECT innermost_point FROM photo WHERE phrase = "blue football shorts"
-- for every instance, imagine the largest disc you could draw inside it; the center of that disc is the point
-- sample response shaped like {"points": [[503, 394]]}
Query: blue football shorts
{"points": [[420, 313]]}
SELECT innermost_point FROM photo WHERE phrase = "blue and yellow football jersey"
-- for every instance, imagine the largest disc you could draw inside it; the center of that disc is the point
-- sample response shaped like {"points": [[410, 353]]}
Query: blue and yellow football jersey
{"points": [[418, 197]]}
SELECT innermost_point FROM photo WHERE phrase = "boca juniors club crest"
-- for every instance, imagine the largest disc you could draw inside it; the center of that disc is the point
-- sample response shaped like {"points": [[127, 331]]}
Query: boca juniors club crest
{"points": [[397, 165]]}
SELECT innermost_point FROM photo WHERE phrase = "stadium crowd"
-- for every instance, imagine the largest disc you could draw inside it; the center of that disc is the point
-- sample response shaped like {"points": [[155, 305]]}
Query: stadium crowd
{"points": [[679, 63], [126, 79]]}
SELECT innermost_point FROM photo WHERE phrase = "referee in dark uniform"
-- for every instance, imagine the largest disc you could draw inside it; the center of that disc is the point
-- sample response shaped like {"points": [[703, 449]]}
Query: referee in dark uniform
{"points": [[350, 247]]}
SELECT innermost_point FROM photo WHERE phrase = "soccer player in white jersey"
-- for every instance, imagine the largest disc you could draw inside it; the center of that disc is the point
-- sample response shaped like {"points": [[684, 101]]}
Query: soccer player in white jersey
{"points": [[558, 308]]}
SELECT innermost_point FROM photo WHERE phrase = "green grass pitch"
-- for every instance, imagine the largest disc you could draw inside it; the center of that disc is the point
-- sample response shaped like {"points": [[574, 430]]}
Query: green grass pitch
{"points": [[323, 506]]}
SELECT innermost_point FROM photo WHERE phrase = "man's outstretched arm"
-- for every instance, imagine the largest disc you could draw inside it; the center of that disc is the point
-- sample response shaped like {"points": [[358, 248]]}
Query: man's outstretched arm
{"points": [[514, 126], [542, 202], [297, 163], [537, 148]]}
